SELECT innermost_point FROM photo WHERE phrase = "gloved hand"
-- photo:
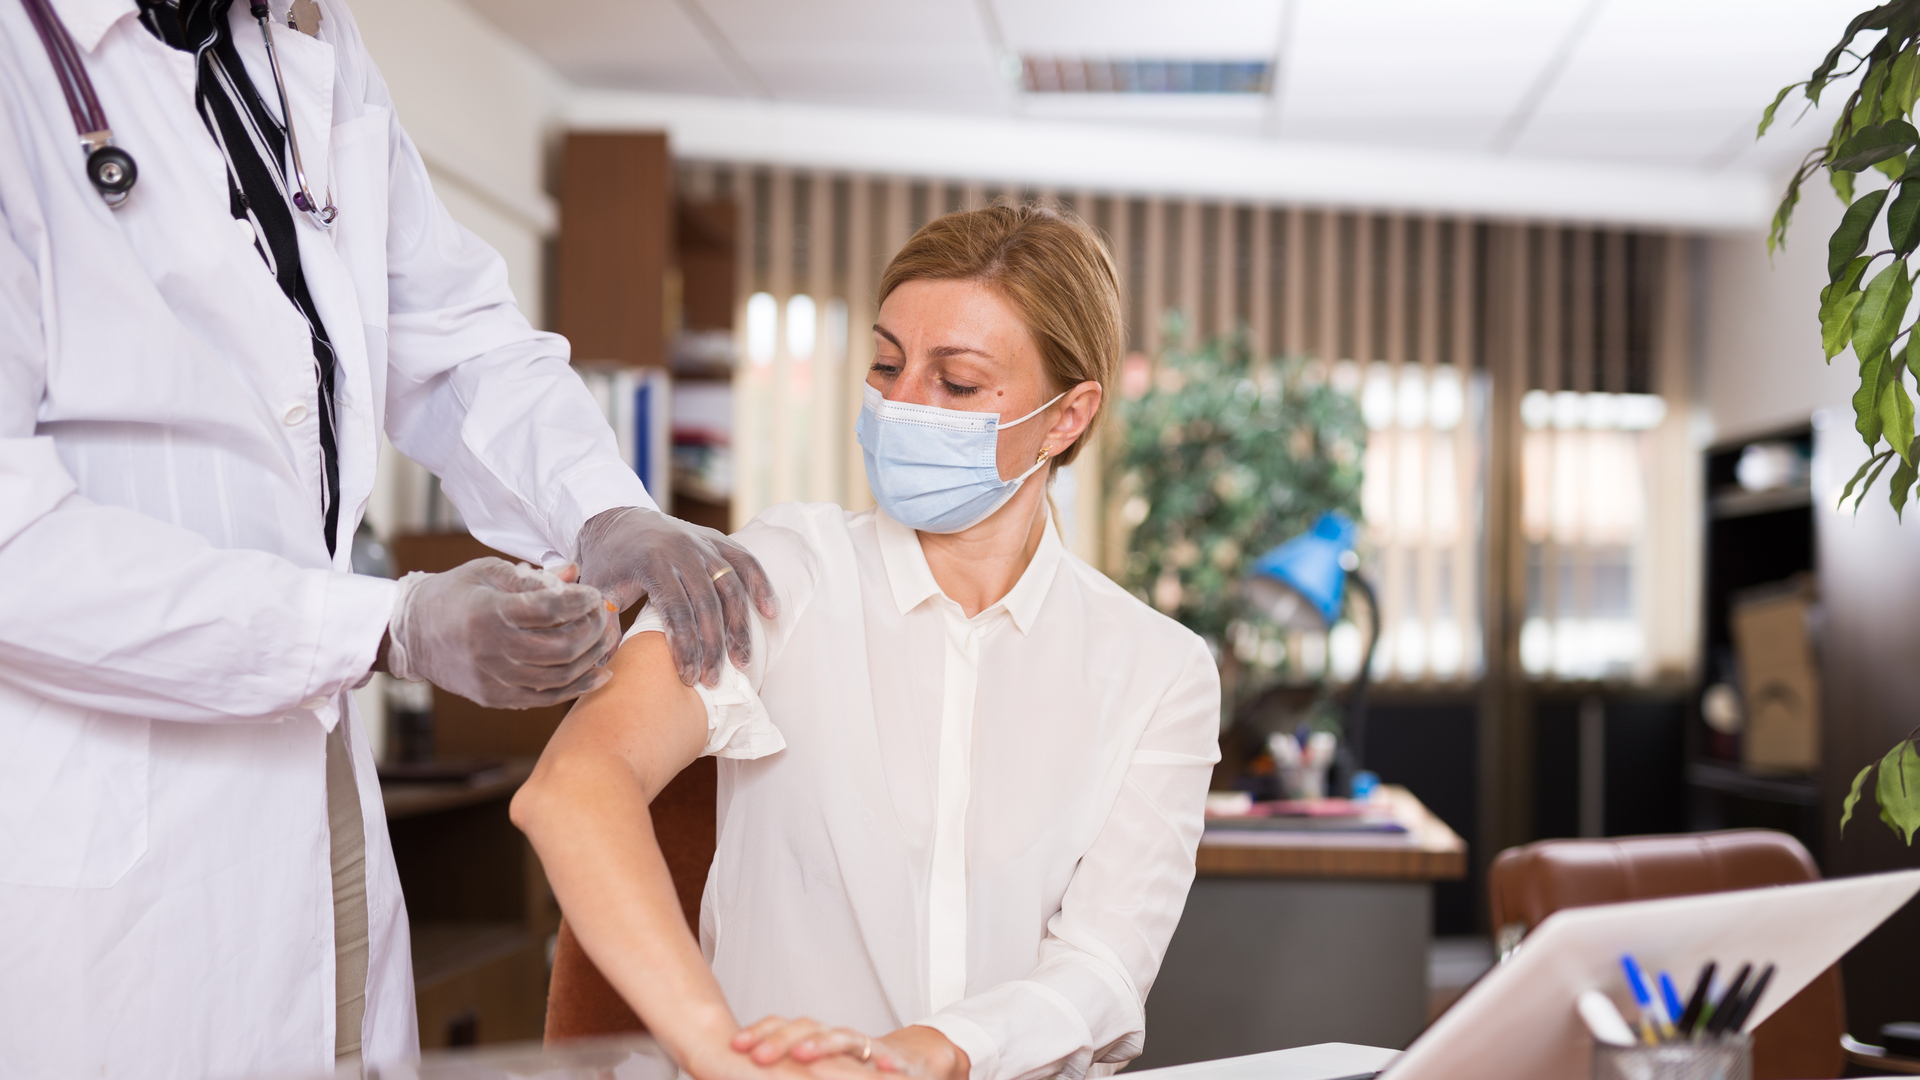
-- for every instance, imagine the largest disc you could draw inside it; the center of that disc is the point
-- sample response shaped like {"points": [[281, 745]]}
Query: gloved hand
{"points": [[505, 636], [700, 582]]}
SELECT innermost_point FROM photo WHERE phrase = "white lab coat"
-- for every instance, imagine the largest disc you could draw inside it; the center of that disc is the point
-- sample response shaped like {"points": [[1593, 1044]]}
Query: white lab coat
{"points": [[174, 639]]}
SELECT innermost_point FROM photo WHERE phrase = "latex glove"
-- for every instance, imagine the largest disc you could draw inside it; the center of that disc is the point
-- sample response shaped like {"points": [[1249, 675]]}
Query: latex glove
{"points": [[505, 636], [631, 552]]}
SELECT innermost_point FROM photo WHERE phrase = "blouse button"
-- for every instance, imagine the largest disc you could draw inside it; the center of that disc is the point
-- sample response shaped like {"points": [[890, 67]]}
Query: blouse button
{"points": [[294, 415]]}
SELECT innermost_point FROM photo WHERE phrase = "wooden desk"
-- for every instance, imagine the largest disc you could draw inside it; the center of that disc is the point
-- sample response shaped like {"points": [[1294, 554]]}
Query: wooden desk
{"points": [[1428, 851], [1297, 938]]}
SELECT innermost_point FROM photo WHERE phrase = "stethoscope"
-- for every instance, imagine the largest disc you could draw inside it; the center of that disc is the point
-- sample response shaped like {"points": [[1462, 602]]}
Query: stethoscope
{"points": [[110, 169]]}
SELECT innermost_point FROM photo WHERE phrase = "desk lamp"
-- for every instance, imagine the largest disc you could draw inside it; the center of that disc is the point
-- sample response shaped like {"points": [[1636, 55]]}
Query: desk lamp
{"points": [[1301, 584]]}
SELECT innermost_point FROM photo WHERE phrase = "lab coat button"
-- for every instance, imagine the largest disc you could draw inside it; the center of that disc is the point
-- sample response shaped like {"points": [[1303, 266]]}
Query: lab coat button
{"points": [[313, 704], [294, 415]]}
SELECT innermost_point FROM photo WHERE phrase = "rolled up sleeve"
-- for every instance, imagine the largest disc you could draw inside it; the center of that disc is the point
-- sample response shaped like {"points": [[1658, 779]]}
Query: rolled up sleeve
{"points": [[738, 724], [1085, 1002]]}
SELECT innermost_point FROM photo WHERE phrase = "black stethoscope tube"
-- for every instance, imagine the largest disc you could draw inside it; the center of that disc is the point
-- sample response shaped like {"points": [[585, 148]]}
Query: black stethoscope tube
{"points": [[110, 169]]}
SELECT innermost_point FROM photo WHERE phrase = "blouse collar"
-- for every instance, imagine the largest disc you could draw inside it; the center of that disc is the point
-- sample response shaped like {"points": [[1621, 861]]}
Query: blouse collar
{"points": [[912, 579], [89, 20]]}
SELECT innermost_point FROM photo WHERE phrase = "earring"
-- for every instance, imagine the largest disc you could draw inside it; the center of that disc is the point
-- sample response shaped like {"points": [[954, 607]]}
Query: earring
{"points": [[1042, 456]]}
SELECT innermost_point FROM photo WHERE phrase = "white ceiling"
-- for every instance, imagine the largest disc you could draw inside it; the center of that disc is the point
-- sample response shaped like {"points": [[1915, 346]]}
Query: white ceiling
{"points": [[1668, 87], [1664, 82]]}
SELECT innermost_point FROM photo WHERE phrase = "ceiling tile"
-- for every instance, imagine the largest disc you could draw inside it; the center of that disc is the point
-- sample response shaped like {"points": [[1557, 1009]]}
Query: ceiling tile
{"points": [[645, 45], [1384, 59]]}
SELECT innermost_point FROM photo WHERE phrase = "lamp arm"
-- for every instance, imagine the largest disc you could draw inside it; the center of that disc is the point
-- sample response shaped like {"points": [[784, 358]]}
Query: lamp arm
{"points": [[1356, 721]]}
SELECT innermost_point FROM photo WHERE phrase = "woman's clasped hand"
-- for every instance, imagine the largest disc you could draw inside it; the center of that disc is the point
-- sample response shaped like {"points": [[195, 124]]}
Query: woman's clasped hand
{"points": [[912, 1051]]}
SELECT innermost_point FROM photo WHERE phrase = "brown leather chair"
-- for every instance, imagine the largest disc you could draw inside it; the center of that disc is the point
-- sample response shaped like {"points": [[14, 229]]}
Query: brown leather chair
{"points": [[580, 1001], [1529, 883]]}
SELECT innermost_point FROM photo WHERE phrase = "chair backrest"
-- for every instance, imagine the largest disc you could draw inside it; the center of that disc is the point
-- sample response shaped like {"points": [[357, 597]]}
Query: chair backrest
{"points": [[580, 1001], [1529, 883]]}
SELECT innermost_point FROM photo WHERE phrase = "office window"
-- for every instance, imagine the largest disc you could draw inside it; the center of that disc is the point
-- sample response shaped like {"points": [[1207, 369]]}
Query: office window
{"points": [[1585, 470], [1422, 499]]}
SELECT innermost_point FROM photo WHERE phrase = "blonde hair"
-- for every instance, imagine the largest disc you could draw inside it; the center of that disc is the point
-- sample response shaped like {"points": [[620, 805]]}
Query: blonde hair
{"points": [[1051, 266]]}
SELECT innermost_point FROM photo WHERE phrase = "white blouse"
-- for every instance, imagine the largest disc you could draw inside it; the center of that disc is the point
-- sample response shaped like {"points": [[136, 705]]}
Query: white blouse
{"points": [[983, 825]]}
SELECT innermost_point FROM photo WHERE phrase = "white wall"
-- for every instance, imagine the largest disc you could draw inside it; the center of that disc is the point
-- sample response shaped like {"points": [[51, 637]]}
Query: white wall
{"points": [[481, 108], [1761, 362]]}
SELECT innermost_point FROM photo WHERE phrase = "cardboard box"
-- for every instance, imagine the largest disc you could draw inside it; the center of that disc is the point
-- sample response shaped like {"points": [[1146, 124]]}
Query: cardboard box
{"points": [[1780, 679]]}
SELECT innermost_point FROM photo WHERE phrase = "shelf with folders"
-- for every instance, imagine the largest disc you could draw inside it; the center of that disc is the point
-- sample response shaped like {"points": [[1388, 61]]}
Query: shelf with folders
{"points": [[638, 404]]}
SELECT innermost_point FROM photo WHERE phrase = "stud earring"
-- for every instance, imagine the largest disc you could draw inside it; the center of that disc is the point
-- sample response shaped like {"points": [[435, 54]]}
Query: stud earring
{"points": [[1042, 456]]}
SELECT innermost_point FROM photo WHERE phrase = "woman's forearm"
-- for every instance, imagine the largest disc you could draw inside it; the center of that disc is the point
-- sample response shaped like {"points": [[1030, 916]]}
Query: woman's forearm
{"points": [[586, 811]]}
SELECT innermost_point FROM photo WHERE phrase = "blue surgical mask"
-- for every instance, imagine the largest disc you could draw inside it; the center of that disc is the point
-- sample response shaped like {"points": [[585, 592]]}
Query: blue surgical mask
{"points": [[932, 469]]}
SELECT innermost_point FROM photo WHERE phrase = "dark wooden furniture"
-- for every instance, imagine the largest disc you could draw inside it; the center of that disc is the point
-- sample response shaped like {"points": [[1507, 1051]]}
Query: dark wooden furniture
{"points": [[1752, 538], [580, 1002], [705, 254], [478, 906], [477, 901], [616, 232]]}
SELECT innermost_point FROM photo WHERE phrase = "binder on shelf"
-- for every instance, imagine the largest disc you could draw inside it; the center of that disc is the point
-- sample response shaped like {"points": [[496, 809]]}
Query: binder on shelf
{"points": [[638, 405]]}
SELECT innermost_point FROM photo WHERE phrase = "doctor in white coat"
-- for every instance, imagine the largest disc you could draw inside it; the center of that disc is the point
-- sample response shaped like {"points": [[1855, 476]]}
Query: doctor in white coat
{"points": [[195, 876]]}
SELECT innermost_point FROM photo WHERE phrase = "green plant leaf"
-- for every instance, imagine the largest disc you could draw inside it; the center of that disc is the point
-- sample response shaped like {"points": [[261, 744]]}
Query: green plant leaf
{"points": [[1766, 118], [1866, 398], [1898, 485], [1850, 239], [1849, 280], [1897, 96], [1836, 322], [1881, 460], [1853, 797], [1898, 790], [1783, 215], [1894, 167], [1873, 19], [1874, 462], [1896, 414], [1903, 219], [1888, 296], [1874, 143], [1842, 184]]}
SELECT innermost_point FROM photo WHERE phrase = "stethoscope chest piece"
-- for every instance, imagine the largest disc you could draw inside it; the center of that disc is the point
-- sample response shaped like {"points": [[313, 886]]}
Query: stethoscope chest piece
{"points": [[112, 172]]}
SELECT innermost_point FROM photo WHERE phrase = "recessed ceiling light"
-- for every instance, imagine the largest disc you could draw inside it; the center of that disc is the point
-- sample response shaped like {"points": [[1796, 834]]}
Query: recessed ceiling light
{"points": [[1078, 75]]}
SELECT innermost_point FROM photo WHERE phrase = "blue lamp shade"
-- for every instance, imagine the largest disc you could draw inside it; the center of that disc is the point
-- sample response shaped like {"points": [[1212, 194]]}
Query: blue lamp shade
{"points": [[1306, 568]]}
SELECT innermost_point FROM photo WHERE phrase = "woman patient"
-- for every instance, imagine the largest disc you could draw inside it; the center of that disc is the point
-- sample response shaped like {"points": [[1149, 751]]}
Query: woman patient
{"points": [[962, 772]]}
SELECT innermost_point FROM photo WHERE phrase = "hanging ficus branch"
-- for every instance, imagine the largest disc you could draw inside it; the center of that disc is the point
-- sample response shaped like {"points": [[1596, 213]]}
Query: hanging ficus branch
{"points": [[1865, 303], [1897, 789]]}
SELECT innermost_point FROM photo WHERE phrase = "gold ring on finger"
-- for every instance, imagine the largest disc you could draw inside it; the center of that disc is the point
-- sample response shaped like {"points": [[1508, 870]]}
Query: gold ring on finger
{"points": [[722, 572], [866, 1051]]}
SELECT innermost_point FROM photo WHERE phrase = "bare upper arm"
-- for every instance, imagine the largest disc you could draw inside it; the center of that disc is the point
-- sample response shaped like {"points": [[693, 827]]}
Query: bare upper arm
{"points": [[644, 716]]}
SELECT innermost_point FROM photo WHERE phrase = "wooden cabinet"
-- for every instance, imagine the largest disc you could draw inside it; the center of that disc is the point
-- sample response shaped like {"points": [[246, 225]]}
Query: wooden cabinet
{"points": [[1754, 538], [616, 235], [479, 908], [480, 911]]}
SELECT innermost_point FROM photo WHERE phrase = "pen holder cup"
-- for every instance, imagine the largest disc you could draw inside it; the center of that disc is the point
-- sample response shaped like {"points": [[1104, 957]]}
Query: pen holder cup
{"points": [[1725, 1059]]}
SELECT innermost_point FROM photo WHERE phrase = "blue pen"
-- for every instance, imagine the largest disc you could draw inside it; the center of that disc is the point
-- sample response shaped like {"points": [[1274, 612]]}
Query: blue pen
{"points": [[1651, 1022], [1670, 997]]}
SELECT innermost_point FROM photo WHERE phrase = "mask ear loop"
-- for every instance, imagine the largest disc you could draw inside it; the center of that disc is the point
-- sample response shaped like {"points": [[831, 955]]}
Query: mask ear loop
{"points": [[1034, 413]]}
